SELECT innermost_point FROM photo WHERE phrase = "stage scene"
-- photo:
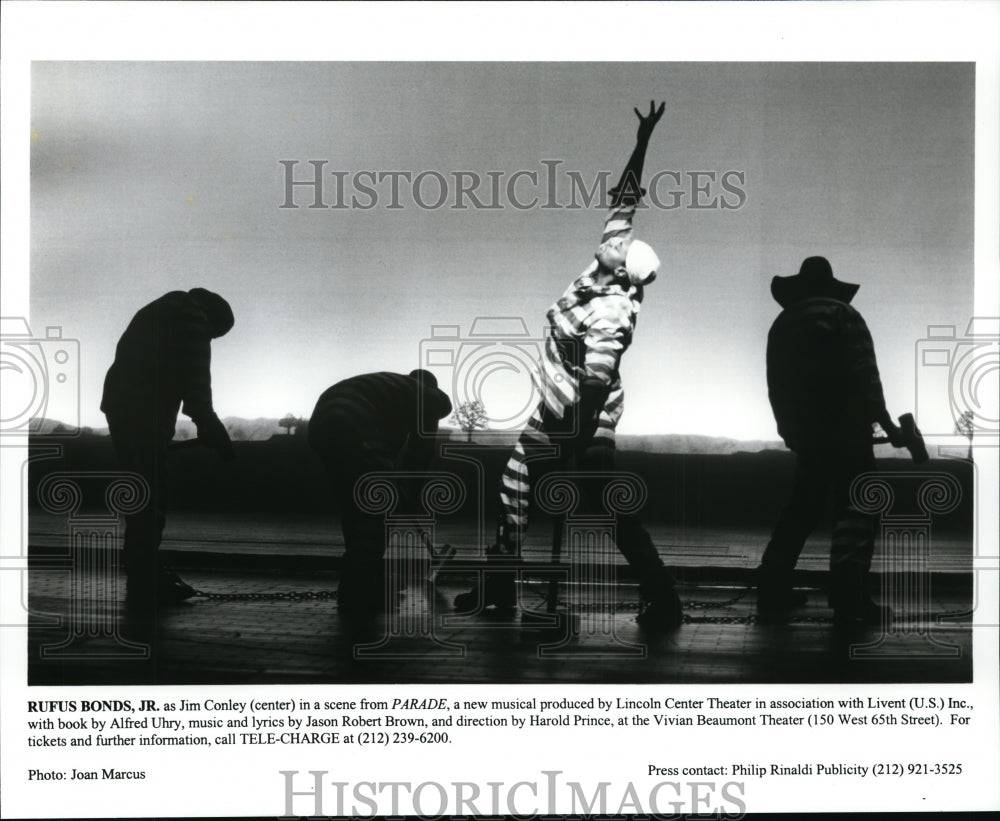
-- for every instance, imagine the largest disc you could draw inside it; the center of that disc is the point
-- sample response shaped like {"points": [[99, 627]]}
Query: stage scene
{"points": [[502, 373]]}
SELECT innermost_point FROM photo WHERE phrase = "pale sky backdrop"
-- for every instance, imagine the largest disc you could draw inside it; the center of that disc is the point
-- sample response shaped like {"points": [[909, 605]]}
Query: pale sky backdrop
{"points": [[150, 177]]}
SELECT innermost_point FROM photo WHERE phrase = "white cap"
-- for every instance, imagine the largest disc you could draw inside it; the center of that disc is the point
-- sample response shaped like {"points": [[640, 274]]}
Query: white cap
{"points": [[641, 262]]}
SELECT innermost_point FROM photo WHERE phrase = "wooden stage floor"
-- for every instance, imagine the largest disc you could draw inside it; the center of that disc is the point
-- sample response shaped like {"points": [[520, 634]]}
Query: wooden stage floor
{"points": [[79, 635]]}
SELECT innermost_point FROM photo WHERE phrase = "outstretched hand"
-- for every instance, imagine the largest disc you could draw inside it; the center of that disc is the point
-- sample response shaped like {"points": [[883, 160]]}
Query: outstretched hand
{"points": [[648, 123]]}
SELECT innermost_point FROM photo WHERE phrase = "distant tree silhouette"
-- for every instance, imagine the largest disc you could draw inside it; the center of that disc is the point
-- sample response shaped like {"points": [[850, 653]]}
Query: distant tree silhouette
{"points": [[288, 421], [470, 416], [964, 426]]}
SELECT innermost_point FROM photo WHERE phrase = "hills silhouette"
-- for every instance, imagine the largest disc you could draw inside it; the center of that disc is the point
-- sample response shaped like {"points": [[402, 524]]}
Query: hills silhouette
{"points": [[262, 428], [281, 474]]}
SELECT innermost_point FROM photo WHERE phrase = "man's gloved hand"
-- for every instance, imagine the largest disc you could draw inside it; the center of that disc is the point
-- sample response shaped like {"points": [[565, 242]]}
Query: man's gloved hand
{"points": [[648, 123], [893, 433], [912, 439], [213, 434]]}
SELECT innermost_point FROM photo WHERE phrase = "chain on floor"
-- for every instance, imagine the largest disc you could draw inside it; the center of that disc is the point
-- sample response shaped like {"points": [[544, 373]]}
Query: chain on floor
{"points": [[288, 595], [622, 606]]}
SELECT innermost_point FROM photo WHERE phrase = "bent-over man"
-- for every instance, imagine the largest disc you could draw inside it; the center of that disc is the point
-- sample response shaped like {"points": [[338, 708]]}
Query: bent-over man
{"points": [[162, 366], [373, 422]]}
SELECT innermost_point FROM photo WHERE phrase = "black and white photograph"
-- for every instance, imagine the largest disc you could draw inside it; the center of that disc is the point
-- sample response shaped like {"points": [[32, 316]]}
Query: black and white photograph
{"points": [[337, 316], [430, 393]]}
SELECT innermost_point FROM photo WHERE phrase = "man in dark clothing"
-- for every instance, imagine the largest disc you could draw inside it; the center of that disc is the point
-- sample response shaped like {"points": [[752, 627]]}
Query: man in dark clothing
{"points": [[825, 391], [373, 422], [162, 365]]}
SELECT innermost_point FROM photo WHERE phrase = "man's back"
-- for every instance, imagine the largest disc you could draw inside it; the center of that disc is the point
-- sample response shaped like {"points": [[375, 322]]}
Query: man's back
{"points": [[821, 374], [162, 358], [384, 405]]}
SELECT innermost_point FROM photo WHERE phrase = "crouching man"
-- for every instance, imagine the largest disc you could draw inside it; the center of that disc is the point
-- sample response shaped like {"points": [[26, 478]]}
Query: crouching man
{"points": [[373, 422]]}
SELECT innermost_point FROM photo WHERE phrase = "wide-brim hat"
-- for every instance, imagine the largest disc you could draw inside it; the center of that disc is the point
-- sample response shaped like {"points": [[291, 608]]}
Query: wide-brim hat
{"points": [[815, 278]]}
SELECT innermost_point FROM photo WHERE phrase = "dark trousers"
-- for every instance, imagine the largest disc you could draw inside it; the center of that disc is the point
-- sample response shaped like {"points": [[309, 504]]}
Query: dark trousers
{"points": [[818, 473], [631, 537], [141, 448], [348, 456]]}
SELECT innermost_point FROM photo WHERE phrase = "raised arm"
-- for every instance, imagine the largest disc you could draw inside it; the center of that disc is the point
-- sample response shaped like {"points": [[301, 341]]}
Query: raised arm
{"points": [[617, 235], [629, 189]]}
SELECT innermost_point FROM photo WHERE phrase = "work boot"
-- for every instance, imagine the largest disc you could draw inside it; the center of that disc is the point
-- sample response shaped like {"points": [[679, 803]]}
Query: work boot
{"points": [[852, 605], [660, 608], [362, 590], [169, 588], [776, 597], [138, 625], [498, 589], [661, 615], [860, 610], [172, 589]]}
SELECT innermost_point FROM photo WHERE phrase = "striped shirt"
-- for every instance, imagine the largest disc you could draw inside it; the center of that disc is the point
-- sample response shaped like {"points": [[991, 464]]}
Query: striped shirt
{"points": [[163, 360], [590, 327], [822, 376]]}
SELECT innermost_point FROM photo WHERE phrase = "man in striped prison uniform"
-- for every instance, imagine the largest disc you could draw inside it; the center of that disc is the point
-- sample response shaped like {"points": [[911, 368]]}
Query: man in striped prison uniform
{"points": [[162, 366], [375, 422], [825, 391], [590, 328]]}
